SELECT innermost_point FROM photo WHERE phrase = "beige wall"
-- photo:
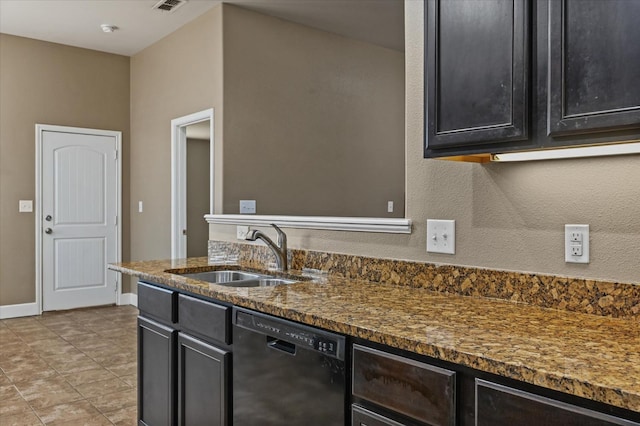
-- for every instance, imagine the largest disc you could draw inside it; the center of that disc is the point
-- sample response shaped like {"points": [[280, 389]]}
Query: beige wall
{"points": [[314, 122], [179, 75], [48, 83], [197, 196], [508, 216]]}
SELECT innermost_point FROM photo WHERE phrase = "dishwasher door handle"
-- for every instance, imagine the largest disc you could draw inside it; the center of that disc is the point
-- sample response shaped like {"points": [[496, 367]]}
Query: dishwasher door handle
{"points": [[281, 345]]}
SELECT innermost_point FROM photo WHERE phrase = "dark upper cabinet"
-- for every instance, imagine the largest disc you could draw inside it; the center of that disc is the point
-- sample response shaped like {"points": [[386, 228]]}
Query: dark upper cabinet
{"points": [[514, 75], [594, 66], [476, 73]]}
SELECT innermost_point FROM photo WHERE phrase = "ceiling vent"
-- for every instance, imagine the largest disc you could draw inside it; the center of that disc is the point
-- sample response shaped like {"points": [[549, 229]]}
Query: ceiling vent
{"points": [[168, 5]]}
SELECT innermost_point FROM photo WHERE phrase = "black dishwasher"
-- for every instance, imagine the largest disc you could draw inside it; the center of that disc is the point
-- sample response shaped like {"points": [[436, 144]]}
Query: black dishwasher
{"points": [[285, 373]]}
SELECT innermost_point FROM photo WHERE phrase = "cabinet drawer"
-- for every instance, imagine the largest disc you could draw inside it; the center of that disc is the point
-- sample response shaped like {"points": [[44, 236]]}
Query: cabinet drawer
{"points": [[415, 389], [206, 320], [363, 417], [498, 405], [158, 303]]}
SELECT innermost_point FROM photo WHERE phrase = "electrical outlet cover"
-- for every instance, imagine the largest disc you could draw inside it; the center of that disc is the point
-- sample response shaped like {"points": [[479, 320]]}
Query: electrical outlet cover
{"points": [[241, 232], [576, 243], [441, 236]]}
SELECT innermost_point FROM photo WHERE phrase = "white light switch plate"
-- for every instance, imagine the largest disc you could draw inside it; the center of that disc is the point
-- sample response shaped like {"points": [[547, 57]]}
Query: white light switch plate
{"points": [[25, 206], [576, 243], [247, 206], [441, 236]]}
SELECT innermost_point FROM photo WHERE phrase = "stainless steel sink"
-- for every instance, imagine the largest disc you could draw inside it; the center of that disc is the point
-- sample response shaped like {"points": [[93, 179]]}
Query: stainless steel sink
{"points": [[238, 279], [262, 282], [220, 277]]}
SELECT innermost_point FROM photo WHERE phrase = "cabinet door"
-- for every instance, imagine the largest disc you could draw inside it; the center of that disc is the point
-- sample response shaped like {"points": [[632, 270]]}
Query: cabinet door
{"points": [[498, 405], [594, 66], [476, 73], [203, 395], [156, 373]]}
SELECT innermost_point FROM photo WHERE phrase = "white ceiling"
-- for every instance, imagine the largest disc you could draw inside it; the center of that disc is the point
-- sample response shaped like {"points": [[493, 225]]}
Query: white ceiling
{"points": [[77, 22]]}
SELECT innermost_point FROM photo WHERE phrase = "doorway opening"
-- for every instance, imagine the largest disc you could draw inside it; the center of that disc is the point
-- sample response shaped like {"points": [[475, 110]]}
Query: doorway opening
{"points": [[192, 183]]}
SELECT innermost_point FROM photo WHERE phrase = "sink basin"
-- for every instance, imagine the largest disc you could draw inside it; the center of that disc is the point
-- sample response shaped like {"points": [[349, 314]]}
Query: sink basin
{"points": [[220, 277], [262, 282], [238, 278]]}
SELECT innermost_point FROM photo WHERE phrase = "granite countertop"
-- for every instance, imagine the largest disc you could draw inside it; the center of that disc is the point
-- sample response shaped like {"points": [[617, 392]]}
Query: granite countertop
{"points": [[585, 355]]}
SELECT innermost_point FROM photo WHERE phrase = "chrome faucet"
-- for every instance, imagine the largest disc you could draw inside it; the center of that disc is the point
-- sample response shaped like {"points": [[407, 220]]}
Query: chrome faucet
{"points": [[280, 249]]}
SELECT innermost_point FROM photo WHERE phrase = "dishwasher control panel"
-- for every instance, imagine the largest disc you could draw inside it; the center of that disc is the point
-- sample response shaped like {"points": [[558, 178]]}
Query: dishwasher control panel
{"points": [[298, 334]]}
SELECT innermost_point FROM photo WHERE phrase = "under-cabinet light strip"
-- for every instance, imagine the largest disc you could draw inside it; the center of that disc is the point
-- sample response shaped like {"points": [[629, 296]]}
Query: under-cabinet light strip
{"points": [[579, 152]]}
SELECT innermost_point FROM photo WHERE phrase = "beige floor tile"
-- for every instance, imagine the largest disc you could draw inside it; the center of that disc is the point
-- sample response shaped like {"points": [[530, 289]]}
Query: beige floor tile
{"points": [[97, 420], [18, 323], [13, 406], [68, 357], [45, 393], [126, 369], [31, 335], [117, 359], [83, 364], [4, 380], [115, 401], [71, 411], [124, 417], [46, 368], [89, 376], [8, 392], [131, 380], [13, 348], [102, 387], [28, 418], [20, 372]]}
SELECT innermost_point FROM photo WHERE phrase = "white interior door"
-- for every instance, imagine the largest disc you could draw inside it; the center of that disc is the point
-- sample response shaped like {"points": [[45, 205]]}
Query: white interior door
{"points": [[79, 217]]}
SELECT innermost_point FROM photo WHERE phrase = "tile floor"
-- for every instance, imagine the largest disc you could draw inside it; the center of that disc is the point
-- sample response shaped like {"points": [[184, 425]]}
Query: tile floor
{"points": [[69, 368]]}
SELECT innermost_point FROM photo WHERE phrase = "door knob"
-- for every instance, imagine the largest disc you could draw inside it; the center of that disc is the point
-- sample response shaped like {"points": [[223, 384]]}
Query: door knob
{"points": [[48, 231], [48, 218]]}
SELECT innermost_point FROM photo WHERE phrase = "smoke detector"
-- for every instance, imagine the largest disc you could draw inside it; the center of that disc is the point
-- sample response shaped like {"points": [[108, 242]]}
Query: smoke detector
{"points": [[108, 28], [168, 5]]}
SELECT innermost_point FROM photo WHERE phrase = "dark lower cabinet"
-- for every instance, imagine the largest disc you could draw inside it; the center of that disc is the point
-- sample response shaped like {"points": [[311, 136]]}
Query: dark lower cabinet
{"points": [[156, 373], [203, 380], [184, 359], [498, 405]]}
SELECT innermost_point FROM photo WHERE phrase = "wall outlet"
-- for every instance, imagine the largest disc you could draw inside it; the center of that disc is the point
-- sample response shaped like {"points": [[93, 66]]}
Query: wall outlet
{"points": [[576, 243], [389, 206], [247, 206], [241, 232], [25, 206], [441, 236]]}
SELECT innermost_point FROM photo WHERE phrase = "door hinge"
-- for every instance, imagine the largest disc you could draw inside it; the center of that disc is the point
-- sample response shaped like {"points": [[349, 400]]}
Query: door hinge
{"points": [[115, 154], [116, 221]]}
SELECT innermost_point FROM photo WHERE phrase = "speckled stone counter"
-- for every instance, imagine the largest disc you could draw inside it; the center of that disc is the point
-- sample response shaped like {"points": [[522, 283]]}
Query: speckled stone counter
{"points": [[590, 356]]}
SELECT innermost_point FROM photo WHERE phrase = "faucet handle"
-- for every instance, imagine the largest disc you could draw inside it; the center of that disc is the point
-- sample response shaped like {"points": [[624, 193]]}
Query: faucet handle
{"points": [[282, 237]]}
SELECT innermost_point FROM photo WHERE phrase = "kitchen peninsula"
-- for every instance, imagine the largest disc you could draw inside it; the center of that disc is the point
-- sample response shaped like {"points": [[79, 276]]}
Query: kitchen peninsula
{"points": [[593, 359]]}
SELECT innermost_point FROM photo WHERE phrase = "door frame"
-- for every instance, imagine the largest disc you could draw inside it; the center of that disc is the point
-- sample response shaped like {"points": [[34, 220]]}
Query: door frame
{"points": [[179, 176], [40, 129]]}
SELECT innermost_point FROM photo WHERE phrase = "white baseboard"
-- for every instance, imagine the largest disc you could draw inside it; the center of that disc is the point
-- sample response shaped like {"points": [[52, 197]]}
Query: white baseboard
{"points": [[129, 299], [19, 310]]}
